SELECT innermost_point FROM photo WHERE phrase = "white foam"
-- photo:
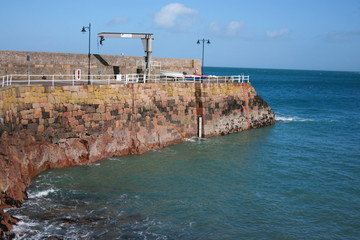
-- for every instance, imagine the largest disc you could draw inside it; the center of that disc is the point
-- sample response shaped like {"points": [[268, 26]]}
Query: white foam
{"points": [[124, 195], [41, 193], [191, 224], [293, 119], [23, 227], [193, 139], [117, 159], [94, 164]]}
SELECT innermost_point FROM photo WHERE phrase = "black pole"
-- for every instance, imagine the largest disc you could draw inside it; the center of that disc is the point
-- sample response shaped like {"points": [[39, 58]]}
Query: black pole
{"points": [[203, 52], [89, 55], [202, 62]]}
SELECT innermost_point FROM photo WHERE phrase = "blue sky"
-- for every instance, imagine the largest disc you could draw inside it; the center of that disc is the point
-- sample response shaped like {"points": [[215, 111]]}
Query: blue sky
{"points": [[285, 34]]}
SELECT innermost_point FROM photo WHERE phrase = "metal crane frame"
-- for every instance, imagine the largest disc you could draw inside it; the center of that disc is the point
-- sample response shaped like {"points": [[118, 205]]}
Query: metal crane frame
{"points": [[146, 39]]}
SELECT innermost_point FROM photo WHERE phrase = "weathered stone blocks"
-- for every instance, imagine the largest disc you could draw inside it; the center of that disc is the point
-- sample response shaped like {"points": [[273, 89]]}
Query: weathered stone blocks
{"points": [[48, 127], [45, 63]]}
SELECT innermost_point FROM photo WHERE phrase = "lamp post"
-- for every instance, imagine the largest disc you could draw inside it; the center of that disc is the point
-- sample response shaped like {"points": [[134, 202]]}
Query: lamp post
{"points": [[83, 30], [203, 48]]}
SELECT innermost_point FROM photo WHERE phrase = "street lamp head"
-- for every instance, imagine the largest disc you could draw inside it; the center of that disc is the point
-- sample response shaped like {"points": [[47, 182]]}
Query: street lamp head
{"points": [[198, 42], [83, 30], [208, 41], [101, 40]]}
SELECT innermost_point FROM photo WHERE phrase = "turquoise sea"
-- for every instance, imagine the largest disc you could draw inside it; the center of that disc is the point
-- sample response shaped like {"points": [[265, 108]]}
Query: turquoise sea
{"points": [[297, 179]]}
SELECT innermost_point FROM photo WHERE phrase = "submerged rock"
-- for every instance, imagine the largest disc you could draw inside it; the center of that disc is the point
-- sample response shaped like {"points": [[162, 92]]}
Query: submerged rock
{"points": [[130, 218], [84, 220]]}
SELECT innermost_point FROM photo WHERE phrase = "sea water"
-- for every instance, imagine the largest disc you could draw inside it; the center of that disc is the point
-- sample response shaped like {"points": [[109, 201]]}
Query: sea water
{"points": [[297, 179]]}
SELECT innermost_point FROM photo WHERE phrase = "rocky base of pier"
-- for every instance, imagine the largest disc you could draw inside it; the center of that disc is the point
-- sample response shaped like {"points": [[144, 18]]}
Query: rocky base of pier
{"points": [[57, 127]]}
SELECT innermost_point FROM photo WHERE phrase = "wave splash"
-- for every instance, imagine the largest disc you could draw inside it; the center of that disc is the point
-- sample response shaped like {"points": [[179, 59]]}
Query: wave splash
{"points": [[293, 119], [195, 139], [40, 194], [284, 118]]}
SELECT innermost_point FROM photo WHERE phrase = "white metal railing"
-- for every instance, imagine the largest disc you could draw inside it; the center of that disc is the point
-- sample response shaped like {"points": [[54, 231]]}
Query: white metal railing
{"points": [[153, 65], [58, 80]]}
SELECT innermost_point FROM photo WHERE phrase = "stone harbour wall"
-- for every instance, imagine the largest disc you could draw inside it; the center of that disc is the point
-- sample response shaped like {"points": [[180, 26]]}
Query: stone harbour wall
{"points": [[44, 127], [230, 108], [47, 63], [54, 114]]}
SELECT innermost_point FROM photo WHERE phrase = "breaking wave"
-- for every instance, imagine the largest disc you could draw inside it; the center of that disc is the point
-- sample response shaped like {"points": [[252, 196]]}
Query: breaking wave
{"points": [[293, 119], [40, 194], [195, 139], [281, 118]]}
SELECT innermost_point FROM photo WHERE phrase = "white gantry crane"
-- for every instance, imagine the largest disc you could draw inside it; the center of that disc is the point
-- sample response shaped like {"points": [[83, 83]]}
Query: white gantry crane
{"points": [[146, 39]]}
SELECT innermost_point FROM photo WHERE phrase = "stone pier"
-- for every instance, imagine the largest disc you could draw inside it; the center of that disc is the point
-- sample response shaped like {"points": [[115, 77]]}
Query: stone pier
{"points": [[43, 127]]}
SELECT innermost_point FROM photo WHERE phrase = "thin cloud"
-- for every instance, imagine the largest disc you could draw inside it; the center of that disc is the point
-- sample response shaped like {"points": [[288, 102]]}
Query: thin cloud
{"points": [[117, 21], [277, 33], [234, 27], [230, 29], [342, 36], [215, 27], [175, 16]]}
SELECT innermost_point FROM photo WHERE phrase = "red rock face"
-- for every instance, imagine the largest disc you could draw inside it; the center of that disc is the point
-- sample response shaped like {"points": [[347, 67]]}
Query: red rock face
{"points": [[57, 127], [6, 222]]}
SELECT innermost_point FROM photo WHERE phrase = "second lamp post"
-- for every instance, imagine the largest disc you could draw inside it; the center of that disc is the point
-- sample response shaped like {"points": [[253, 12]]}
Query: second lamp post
{"points": [[203, 48], [83, 30]]}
